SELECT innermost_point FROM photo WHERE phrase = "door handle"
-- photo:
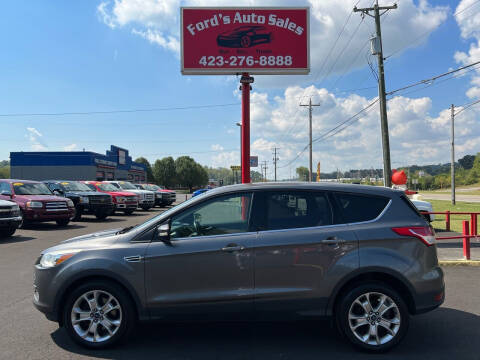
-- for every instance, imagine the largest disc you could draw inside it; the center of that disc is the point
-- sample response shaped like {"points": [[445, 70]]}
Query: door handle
{"points": [[233, 247], [332, 240], [134, 258]]}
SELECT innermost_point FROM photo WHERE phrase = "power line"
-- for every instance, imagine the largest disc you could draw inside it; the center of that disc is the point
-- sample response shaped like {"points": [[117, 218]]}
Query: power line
{"points": [[121, 111], [426, 81], [467, 106]]}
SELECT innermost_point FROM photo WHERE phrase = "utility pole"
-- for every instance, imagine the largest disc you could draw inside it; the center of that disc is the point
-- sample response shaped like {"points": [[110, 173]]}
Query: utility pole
{"points": [[275, 159], [377, 49], [310, 136], [452, 154], [264, 168]]}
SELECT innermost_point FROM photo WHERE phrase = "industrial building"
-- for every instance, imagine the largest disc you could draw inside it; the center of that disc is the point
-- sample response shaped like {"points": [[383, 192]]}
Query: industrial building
{"points": [[116, 164]]}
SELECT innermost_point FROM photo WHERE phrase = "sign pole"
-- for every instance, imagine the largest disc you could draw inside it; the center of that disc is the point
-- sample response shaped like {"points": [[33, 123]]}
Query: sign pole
{"points": [[245, 81]]}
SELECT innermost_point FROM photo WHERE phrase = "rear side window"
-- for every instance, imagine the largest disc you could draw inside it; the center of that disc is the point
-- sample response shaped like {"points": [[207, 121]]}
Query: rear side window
{"points": [[290, 209], [411, 205], [356, 208]]}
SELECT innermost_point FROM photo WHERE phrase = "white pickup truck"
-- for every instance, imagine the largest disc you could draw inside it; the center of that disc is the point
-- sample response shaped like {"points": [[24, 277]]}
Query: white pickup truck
{"points": [[422, 205]]}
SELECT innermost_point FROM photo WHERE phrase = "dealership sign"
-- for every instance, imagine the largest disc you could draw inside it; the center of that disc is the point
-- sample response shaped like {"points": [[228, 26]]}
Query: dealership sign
{"points": [[226, 40]]}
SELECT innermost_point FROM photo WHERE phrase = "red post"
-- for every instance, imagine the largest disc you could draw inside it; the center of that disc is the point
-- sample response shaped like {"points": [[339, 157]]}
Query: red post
{"points": [[245, 81], [472, 224], [447, 220], [466, 240]]}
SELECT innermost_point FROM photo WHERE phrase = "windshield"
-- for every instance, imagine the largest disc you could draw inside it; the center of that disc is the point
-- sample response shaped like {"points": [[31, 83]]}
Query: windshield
{"points": [[126, 185], [75, 186], [31, 189], [151, 187], [107, 187]]}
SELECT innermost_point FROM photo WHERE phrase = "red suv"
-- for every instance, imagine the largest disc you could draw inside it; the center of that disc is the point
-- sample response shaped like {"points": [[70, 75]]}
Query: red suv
{"points": [[36, 201], [123, 200]]}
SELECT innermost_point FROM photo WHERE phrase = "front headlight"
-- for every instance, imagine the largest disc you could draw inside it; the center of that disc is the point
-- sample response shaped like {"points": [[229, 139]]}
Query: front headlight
{"points": [[70, 203], [55, 258], [84, 199], [15, 210], [34, 204]]}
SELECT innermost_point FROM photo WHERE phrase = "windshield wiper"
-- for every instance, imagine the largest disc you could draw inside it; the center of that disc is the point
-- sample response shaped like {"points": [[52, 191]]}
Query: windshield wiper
{"points": [[126, 229]]}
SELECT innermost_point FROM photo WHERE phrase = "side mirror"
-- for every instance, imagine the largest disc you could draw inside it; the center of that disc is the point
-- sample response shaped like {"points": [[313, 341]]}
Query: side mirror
{"points": [[7, 193], [163, 233]]}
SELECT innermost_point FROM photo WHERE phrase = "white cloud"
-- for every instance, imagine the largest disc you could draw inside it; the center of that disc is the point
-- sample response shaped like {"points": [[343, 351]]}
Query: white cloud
{"points": [[158, 22], [225, 159], [217, 147], [416, 135], [36, 139], [70, 147]]}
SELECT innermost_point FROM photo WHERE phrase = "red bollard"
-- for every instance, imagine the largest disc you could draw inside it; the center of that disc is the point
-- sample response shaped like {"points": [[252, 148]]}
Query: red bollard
{"points": [[466, 240], [447, 220]]}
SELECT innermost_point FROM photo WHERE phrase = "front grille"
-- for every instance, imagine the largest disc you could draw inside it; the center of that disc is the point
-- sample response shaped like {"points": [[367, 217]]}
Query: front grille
{"points": [[99, 200], [6, 212], [56, 206], [149, 197], [130, 199]]}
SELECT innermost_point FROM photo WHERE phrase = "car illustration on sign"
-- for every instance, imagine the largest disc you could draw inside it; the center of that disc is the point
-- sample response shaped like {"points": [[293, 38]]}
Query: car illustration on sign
{"points": [[244, 37]]}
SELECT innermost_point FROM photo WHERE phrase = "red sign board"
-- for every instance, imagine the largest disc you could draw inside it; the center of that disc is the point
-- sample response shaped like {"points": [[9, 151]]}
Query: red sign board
{"points": [[254, 40]]}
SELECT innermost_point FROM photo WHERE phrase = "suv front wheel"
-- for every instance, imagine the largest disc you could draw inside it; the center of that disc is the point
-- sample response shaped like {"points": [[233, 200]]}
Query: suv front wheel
{"points": [[372, 316], [98, 314]]}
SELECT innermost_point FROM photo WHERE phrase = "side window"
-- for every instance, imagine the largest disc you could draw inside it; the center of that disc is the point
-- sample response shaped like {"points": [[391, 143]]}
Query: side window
{"points": [[227, 214], [357, 208], [288, 210], [5, 187]]}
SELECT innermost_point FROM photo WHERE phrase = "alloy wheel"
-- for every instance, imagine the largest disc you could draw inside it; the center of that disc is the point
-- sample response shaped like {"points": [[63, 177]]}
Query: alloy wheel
{"points": [[96, 316], [374, 318]]}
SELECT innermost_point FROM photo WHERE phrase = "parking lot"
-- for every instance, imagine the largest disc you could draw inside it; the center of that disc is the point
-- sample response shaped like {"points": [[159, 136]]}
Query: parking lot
{"points": [[446, 333]]}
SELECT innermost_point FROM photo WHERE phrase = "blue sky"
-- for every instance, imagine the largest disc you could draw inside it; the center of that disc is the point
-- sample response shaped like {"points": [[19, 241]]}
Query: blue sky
{"points": [[101, 56]]}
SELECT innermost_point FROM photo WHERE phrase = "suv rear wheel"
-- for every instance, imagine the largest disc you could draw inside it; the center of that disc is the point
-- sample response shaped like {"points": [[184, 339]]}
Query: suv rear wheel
{"points": [[372, 316], [98, 314]]}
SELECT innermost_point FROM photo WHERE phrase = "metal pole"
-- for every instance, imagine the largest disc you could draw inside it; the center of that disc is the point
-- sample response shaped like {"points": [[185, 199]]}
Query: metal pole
{"points": [[245, 81], [452, 166], [310, 139]]}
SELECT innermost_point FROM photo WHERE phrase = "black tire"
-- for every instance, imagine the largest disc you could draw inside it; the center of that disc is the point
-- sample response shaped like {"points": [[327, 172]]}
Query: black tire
{"points": [[101, 216], [78, 214], [126, 314], [63, 222], [7, 232], [347, 303], [146, 208], [128, 212]]}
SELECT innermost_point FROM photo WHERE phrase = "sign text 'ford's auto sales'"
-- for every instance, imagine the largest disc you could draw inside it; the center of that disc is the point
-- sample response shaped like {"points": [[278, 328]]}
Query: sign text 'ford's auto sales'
{"points": [[253, 40]]}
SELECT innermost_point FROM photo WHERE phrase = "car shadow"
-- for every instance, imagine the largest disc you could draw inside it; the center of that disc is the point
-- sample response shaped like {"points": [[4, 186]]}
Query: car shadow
{"points": [[442, 334], [47, 226], [15, 239]]}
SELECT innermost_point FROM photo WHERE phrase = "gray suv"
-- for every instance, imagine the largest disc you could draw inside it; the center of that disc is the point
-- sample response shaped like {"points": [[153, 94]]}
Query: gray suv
{"points": [[360, 254]]}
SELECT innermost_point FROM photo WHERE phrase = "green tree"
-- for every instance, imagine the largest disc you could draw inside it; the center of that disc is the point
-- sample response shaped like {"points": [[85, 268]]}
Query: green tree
{"points": [[189, 173], [150, 177], [220, 174], [302, 173], [164, 172], [467, 161], [5, 172], [255, 176]]}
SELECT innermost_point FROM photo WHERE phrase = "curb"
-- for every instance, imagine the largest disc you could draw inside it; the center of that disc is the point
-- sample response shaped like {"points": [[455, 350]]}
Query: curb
{"points": [[459, 262]]}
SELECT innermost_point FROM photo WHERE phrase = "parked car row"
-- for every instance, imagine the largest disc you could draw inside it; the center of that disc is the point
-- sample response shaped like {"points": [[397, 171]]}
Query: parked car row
{"points": [[24, 201]]}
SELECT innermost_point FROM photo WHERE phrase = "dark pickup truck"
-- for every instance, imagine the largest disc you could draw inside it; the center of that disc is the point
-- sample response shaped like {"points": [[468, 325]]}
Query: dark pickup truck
{"points": [[10, 218], [85, 199]]}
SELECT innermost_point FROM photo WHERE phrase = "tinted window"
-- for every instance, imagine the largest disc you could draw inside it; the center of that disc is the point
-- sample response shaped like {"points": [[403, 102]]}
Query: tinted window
{"points": [[91, 187], [356, 208], [287, 210], [227, 214], [5, 187]]}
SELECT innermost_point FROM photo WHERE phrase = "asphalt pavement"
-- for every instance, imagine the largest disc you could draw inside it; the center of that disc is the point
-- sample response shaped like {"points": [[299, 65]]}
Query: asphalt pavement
{"points": [[449, 332]]}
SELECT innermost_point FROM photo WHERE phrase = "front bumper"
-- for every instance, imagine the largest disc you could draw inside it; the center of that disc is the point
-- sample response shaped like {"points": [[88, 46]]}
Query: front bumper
{"points": [[95, 208], [44, 291], [44, 215], [10, 222]]}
